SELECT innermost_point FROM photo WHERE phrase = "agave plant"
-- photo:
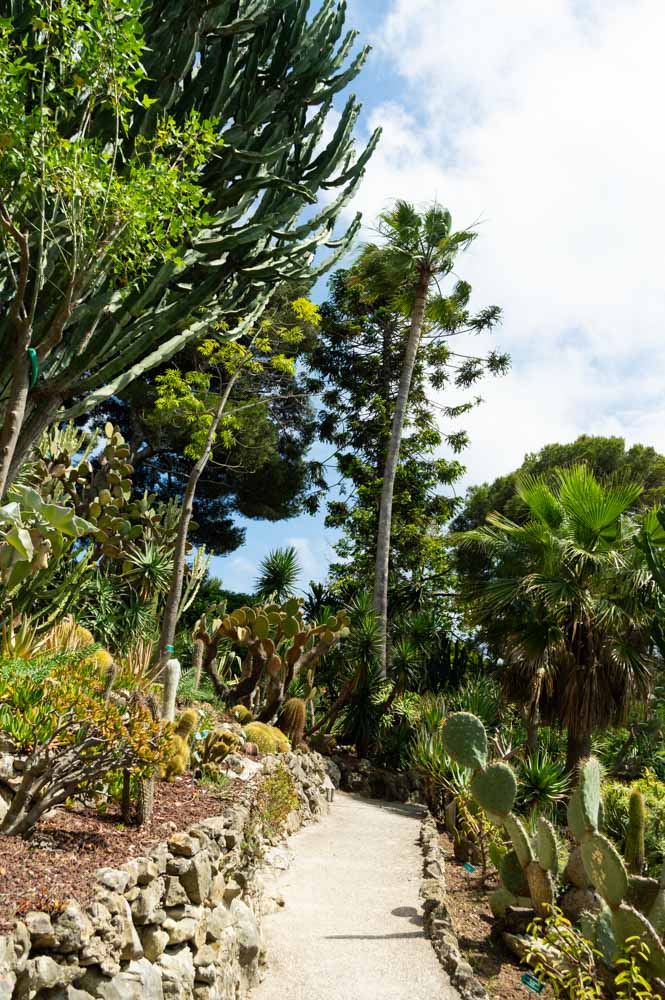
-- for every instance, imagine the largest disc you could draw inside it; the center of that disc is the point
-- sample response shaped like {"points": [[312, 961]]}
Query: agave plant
{"points": [[543, 783], [148, 568]]}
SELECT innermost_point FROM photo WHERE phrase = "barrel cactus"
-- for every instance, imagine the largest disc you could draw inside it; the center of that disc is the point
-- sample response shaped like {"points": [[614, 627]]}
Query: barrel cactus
{"points": [[292, 720]]}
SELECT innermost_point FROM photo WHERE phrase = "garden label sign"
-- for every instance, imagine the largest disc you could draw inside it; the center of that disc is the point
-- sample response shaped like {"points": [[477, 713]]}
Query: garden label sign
{"points": [[532, 983], [468, 867]]}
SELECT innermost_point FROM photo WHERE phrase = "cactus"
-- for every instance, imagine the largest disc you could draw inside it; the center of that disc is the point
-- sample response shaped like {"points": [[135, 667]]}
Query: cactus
{"points": [[634, 847], [292, 720], [607, 872], [275, 643], [111, 675], [241, 714], [170, 689], [181, 755], [218, 744], [268, 739]]}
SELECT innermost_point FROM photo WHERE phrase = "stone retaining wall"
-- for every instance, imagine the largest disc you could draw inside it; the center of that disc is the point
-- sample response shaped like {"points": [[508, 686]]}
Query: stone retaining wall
{"points": [[182, 923], [438, 924]]}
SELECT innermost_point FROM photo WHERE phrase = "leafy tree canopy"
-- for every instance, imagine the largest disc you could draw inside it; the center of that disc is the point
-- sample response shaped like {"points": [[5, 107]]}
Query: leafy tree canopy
{"points": [[606, 457]]}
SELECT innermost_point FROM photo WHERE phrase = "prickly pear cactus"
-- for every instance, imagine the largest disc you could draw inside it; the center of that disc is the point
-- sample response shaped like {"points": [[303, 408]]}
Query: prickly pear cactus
{"points": [[607, 872], [494, 788]]}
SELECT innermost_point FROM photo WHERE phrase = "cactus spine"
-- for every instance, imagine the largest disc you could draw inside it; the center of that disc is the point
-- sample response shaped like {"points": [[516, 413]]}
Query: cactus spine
{"points": [[634, 849]]}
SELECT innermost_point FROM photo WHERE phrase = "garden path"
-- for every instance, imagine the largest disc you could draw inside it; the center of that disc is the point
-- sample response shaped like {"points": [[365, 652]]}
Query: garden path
{"points": [[352, 924]]}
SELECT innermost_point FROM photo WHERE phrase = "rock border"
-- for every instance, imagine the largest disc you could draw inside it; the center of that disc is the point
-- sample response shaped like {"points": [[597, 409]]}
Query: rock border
{"points": [[181, 923], [438, 924]]}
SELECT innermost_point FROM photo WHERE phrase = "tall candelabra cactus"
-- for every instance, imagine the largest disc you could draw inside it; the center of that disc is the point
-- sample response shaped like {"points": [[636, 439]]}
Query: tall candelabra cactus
{"points": [[533, 863]]}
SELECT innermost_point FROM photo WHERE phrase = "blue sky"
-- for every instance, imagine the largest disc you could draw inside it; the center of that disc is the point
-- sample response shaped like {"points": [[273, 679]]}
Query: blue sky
{"points": [[540, 123]]}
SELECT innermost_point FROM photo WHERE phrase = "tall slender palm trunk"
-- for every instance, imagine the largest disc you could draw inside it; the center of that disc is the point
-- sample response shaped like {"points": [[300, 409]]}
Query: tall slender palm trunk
{"points": [[392, 458], [170, 617]]}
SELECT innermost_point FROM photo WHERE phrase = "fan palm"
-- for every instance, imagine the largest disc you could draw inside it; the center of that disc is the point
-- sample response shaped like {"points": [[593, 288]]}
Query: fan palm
{"points": [[278, 574], [417, 250], [570, 602]]}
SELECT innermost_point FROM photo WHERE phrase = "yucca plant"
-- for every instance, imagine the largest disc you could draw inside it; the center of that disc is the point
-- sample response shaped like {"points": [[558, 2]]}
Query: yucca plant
{"points": [[278, 574]]}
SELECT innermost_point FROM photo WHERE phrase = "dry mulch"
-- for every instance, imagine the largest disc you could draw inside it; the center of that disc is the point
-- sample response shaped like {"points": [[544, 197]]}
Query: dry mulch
{"points": [[59, 860], [494, 966]]}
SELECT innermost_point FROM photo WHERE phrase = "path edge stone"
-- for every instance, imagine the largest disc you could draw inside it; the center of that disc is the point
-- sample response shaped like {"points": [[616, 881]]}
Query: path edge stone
{"points": [[437, 921]]}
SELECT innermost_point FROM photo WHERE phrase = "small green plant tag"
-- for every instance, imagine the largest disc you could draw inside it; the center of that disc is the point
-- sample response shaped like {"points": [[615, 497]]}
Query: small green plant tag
{"points": [[532, 983], [468, 867]]}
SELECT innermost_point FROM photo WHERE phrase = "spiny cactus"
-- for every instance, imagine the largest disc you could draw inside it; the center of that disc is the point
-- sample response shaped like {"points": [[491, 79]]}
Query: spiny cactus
{"points": [[607, 872], [218, 744], [494, 788], [180, 753], [292, 720], [268, 739], [171, 680], [275, 644], [634, 848], [241, 714]]}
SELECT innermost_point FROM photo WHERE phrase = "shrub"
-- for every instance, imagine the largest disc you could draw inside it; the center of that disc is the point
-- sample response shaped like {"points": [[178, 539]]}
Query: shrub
{"points": [[52, 711], [275, 799]]}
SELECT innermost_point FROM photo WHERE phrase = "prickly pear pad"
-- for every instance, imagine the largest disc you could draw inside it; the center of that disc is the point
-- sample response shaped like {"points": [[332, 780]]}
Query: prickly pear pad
{"points": [[495, 789], [465, 740]]}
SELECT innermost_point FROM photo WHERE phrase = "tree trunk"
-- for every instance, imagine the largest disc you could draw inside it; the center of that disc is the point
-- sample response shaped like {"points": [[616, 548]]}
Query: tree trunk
{"points": [[392, 458], [197, 662], [16, 404], [170, 618], [577, 748]]}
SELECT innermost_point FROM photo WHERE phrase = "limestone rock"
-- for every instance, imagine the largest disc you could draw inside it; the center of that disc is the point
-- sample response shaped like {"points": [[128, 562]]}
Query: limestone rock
{"points": [[40, 929], [184, 845], [154, 940], [147, 904], [43, 973], [73, 929], [197, 880], [113, 878], [174, 894], [247, 932], [140, 981], [177, 965]]}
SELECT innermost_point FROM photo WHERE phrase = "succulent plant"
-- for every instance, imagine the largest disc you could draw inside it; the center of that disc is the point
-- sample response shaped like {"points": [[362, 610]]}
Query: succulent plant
{"points": [[494, 788], [607, 872], [634, 846], [274, 643], [171, 680], [180, 758], [292, 720], [218, 744], [268, 739]]}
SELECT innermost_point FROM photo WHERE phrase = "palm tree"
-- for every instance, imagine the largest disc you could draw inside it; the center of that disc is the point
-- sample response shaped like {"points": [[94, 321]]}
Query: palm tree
{"points": [[569, 601], [278, 575], [417, 251]]}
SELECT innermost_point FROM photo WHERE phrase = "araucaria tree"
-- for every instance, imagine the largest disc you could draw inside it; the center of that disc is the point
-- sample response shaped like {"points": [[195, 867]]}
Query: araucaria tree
{"points": [[155, 162], [568, 602], [385, 342]]}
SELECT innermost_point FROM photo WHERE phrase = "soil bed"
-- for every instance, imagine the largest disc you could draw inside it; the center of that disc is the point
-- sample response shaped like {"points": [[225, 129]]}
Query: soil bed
{"points": [[492, 964], [59, 860]]}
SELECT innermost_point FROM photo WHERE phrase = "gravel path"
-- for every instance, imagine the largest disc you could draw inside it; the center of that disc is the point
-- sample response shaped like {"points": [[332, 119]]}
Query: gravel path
{"points": [[352, 926]]}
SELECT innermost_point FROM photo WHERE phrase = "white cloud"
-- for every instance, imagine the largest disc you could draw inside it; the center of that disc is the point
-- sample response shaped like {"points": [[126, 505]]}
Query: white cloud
{"points": [[314, 555], [542, 120]]}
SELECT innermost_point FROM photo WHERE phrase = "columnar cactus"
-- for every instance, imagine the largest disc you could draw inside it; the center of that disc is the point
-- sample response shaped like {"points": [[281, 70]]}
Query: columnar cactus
{"points": [[180, 751], [494, 788], [171, 681], [292, 720], [634, 848]]}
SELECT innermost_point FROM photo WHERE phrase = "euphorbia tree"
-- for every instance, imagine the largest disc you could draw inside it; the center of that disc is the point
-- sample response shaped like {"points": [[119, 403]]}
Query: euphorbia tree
{"points": [[155, 159]]}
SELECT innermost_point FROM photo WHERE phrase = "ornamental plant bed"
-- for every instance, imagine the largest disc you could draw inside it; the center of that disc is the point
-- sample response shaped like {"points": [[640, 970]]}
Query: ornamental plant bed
{"points": [[59, 860], [469, 909]]}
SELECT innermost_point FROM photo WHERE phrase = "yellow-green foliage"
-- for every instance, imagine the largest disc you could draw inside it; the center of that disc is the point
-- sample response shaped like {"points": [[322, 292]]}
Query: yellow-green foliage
{"points": [[268, 739], [241, 714], [275, 799], [616, 802], [218, 744], [180, 757], [292, 719]]}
